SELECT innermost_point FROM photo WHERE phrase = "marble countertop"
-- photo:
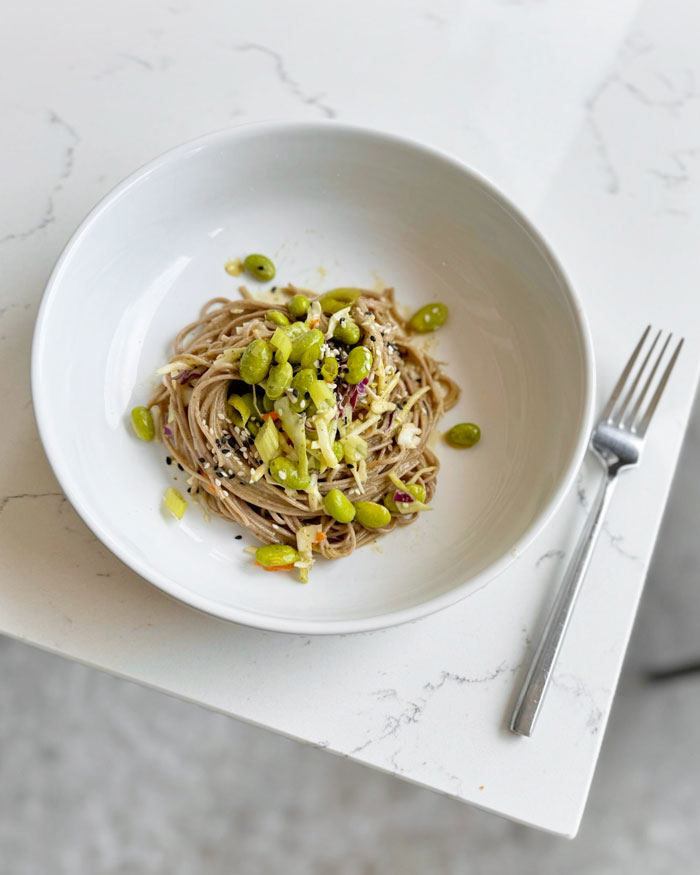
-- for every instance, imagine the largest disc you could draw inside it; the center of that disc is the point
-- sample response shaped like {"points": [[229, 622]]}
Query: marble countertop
{"points": [[587, 115]]}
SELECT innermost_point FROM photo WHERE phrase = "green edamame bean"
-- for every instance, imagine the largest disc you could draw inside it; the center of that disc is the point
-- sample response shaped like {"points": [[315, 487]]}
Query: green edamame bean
{"points": [[298, 306], [309, 340], [338, 506], [428, 318], [311, 356], [301, 384], [142, 421], [267, 404], [347, 332], [417, 490], [253, 427], [278, 379], [276, 317], [359, 364], [465, 434], [329, 368], [259, 267], [255, 362], [338, 299], [371, 515], [304, 380], [276, 555], [285, 472]]}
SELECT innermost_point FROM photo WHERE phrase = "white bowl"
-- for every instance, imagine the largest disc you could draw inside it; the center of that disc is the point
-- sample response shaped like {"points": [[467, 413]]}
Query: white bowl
{"points": [[332, 205]]}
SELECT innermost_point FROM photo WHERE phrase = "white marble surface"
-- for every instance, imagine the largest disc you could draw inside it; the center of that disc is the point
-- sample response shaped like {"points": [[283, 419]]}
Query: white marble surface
{"points": [[587, 114]]}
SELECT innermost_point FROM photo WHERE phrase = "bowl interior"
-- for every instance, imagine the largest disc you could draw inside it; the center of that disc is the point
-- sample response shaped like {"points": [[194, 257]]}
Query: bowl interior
{"points": [[332, 206]]}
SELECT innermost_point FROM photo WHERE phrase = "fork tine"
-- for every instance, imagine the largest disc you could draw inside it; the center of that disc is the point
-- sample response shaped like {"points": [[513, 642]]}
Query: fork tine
{"points": [[642, 395], [620, 414], [623, 377], [646, 419]]}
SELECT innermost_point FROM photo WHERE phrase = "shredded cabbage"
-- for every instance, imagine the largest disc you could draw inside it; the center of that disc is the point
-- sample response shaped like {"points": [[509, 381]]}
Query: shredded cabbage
{"points": [[415, 505], [335, 319], [325, 425], [306, 537], [409, 436], [293, 425]]}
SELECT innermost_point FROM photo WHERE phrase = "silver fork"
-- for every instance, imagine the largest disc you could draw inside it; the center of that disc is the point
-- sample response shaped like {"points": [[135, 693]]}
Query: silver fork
{"points": [[617, 441]]}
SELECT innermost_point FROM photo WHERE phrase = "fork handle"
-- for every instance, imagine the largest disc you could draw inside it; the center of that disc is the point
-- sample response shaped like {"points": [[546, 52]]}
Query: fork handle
{"points": [[540, 671]]}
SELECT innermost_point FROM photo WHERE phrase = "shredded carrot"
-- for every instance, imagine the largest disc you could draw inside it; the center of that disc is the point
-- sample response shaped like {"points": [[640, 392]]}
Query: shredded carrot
{"points": [[321, 536], [274, 567], [314, 322], [205, 484], [273, 415]]}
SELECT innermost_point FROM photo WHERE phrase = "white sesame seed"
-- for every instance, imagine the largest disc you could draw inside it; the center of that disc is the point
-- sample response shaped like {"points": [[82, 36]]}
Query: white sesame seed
{"points": [[230, 472], [224, 493], [206, 465], [275, 526], [221, 416], [217, 482]]}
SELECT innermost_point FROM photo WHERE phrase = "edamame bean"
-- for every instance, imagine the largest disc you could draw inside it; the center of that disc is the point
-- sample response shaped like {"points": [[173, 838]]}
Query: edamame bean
{"points": [[417, 490], [329, 368], [301, 384], [463, 435], [267, 403], [285, 472], [371, 515], [309, 340], [260, 267], [279, 378], [298, 306], [338, 506], [338, 450], [276, 555], [338, 299], [428, 318], [359, 364], [255, 362], [347, 332], [276, 317], [142, 421]]}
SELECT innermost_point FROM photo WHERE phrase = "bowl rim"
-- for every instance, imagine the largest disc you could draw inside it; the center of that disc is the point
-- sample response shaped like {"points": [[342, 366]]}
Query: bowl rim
{"points": [[234, 614]]}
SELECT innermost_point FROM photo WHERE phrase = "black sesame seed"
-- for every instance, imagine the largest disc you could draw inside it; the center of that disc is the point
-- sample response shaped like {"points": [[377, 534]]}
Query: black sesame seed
{"points": [[238, 537], [189, 489], [218, 442], [350, 465], [400, 405], [202, 460], [168, 460], [260, 267], [274, 288], [180, 466], [372, 337], [295, 392]]}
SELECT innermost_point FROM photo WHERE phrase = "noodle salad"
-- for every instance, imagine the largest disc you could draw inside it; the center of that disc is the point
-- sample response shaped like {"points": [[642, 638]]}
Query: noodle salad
{"points": [[306, 421]]}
